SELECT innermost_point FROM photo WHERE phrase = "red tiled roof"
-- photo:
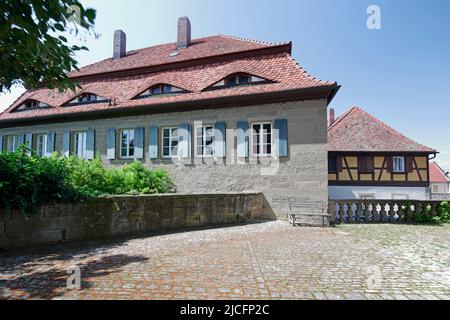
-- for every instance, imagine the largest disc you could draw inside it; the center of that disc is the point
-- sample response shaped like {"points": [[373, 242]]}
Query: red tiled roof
{"points": [[159, 55], [437, 175], [356, 130], [280, 68]]}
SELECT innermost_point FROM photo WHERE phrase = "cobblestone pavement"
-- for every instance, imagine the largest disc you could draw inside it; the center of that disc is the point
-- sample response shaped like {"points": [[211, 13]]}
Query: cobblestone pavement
{"points": [[271, 260]]}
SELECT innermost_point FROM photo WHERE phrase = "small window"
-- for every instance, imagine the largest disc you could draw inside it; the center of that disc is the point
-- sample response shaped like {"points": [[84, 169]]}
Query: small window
{"points": [[41, 144], [332, 164], [204, 141], [244, 79], [32, 104], [170, 142], [366, 196], [435, 188], [238, 79], [261, 139], [79, 143], [13, 143], [87, 98], [398, 164], [400, 196], [159, 89], [127, 143]]}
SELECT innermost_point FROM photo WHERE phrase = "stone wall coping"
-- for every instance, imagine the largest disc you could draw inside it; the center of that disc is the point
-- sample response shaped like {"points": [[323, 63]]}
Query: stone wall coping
{"points": [[248, 193]]}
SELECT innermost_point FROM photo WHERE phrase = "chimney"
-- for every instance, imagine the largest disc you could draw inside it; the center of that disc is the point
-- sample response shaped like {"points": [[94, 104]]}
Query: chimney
{"points": [[331, 117], [184, 33], [120, 44]]}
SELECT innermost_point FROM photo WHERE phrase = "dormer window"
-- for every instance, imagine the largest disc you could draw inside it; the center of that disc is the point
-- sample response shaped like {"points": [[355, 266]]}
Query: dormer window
{"points": [[238, 79], [159, 89], [32, 104], [87, 98]]}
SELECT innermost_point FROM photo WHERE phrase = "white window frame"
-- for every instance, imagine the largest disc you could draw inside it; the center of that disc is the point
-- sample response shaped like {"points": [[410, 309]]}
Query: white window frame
{"points": [[366, 196], [402, 168], [433, 190], [130, 131], [76, 144], [261, 144], [12, 141], [172, 137], [204, 136], [400, 196], [44, 144]]}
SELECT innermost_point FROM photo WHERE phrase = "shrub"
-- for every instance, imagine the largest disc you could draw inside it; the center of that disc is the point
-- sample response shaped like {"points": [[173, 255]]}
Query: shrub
{"points": [[27, 180], [444, 212]]}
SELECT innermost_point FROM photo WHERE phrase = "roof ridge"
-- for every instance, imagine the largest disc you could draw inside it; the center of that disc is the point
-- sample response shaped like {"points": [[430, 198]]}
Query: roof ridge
{"points": [[15, 101], [342, 116], [267, 43]]}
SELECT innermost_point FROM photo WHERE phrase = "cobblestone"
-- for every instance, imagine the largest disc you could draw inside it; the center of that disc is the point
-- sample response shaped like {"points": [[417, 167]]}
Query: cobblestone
{"points": [[270, 260]]}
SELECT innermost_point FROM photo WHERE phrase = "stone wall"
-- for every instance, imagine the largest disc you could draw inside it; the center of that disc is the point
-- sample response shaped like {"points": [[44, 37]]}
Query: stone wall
{"points": [[121, 215]]}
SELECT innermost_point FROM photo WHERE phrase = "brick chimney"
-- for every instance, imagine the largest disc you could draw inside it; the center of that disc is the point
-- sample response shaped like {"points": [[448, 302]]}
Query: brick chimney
{"points": [[331, 117], [120, 44], [184, 33]]}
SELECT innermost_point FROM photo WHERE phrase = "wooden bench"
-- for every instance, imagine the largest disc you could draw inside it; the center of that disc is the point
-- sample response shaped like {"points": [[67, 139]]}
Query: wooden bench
{"points": [[307, 208], [293, 216]]}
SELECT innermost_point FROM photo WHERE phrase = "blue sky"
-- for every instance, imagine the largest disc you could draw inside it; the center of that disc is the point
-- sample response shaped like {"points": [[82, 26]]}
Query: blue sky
{"points": [[400, 74]]}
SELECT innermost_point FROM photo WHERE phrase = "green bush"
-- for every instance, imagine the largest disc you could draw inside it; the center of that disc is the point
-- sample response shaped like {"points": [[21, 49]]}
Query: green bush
{"points": [[27, 180], [444, 212], [442, 216]]}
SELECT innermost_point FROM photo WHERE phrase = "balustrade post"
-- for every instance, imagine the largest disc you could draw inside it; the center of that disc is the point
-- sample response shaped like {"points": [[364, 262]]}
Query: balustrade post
{"points": [[359, 211], [383, 212], [367, 212], [342, 212], [392, 212]]}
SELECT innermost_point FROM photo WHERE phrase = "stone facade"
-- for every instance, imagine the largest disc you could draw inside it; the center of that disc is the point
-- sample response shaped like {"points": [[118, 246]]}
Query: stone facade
{"points": [[302, 175], [122, 215]]}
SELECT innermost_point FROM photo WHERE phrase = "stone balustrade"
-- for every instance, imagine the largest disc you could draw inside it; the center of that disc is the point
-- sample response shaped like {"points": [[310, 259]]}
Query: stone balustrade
{"points": [[380, 211]]}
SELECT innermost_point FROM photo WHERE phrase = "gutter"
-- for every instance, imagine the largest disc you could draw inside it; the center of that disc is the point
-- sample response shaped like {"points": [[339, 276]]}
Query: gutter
{"points": [[325, 92]]}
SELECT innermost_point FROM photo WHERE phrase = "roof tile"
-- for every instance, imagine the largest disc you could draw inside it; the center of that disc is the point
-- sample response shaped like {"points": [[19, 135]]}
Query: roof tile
{"points": [[437, 175], [356, 130]]}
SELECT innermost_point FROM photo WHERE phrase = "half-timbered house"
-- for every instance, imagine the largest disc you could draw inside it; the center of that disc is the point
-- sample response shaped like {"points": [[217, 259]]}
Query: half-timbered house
{"points": [[367, 159]]}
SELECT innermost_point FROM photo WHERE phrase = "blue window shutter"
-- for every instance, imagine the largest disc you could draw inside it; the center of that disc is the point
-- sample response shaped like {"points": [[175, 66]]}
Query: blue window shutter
{"points": [[184, 140], [139, 143], [29, 142], [50, 143], [29, 139], [153, 142], [1, 142], [242, 139], [281, 126], [90, 144], [21, 138], [111, 144], [66, 143], [220, 139]]}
